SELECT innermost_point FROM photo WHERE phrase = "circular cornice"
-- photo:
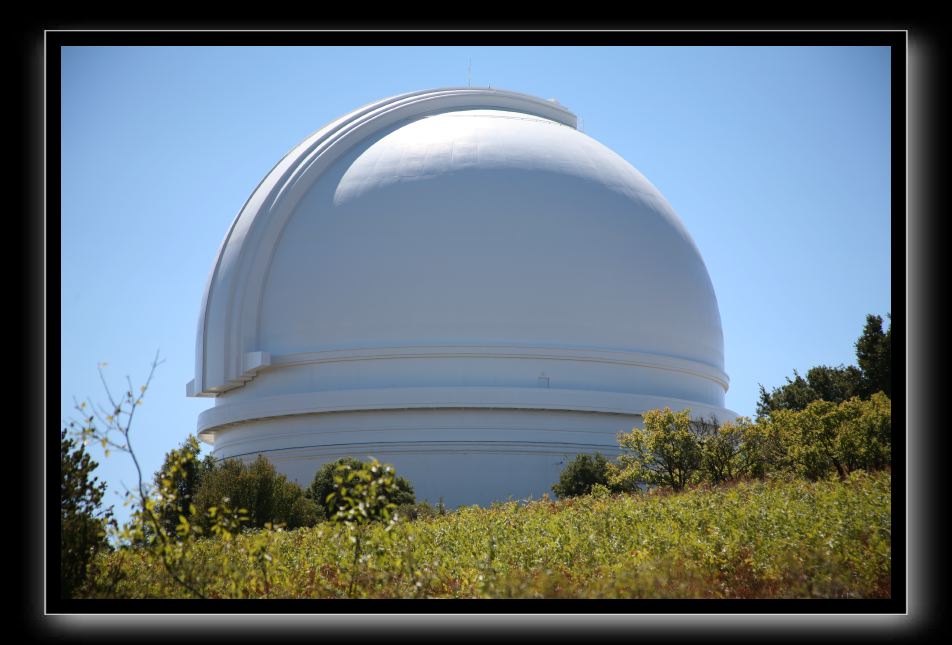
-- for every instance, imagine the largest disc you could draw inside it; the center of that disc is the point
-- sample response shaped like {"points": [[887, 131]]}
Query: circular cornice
{"points": [[367, 399]]}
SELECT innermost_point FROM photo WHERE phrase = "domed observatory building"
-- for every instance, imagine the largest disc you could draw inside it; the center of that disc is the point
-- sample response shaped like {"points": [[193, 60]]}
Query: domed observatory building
{"points": [[459, 283]]}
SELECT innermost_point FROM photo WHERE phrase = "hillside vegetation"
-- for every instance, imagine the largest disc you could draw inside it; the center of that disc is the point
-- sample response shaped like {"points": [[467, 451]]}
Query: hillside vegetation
{"points": [[780, 537], [794, 504]]}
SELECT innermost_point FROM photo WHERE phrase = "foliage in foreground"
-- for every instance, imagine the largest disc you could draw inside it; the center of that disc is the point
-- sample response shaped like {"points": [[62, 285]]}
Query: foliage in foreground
{"points": [[775, 538], [148, 528]]}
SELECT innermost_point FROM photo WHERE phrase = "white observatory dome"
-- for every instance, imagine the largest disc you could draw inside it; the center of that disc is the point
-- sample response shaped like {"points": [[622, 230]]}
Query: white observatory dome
{"points": [[460, 283]]}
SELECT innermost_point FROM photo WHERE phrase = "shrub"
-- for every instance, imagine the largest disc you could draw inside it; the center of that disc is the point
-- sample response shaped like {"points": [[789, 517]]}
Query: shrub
{"points": [[827, 437], [583, 472], [762, 450], [362, 494], [665, 452], [867, 435], [267, 495], [720, 453], [421, 511], [323, 485]]}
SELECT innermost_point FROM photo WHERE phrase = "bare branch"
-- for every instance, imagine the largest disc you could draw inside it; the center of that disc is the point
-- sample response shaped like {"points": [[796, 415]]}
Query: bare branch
{"points": [[106, 387]]}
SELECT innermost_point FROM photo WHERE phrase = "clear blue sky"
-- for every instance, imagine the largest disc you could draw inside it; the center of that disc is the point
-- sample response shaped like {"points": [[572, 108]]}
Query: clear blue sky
{"points": [[777, 160]]}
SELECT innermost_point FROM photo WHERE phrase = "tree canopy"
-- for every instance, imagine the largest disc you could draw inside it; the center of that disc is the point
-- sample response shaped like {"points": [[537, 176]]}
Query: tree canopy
{"points": [[665, 452], [841, 383], [82, 520], [268, 496], [182, 473], [874, 356]]}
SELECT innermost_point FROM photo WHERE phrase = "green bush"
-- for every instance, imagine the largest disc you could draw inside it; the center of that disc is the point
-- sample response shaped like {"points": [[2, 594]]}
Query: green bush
{"points": [[362, 494], [867, 435], [580, 474], [323, 485], [827, 437], [721, 455], [674, 451], [421, 511], [665, 452], [267, 495], [762, 450]]}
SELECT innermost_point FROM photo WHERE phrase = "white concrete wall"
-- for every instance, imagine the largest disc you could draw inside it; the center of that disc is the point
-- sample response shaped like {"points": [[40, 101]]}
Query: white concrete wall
{"points": [[464, 456]]}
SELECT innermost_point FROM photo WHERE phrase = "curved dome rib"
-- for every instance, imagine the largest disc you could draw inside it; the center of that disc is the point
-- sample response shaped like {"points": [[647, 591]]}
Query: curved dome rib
{"points": [[226, 357]]}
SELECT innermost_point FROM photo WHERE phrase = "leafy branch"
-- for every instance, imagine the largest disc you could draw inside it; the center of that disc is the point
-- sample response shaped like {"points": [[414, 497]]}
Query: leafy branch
{"points": [[117, 420]]}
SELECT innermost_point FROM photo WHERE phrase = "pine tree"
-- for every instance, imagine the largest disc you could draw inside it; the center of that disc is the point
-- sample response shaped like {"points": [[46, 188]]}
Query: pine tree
{"points": [[874, 356]]}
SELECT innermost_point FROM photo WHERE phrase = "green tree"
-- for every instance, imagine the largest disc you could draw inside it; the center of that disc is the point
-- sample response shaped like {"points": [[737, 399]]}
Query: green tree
{"points": [[835, 383], [823, 383], [580, 474], [665, 452], [795, 395], [762, 450], [837, 438], [323, 485], [811, 438], [838, 384], [874, 356], [721, 451], [267, 495], [866, 435], [82, 522], [179, 479]]}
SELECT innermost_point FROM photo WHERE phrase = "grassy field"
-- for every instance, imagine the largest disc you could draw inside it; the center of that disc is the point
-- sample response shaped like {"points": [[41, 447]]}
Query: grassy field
{"points": [[782, 538]]}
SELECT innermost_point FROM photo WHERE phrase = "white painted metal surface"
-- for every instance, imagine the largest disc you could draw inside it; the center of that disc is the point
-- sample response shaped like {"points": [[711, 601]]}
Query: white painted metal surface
{"points": [[465, 259]]}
